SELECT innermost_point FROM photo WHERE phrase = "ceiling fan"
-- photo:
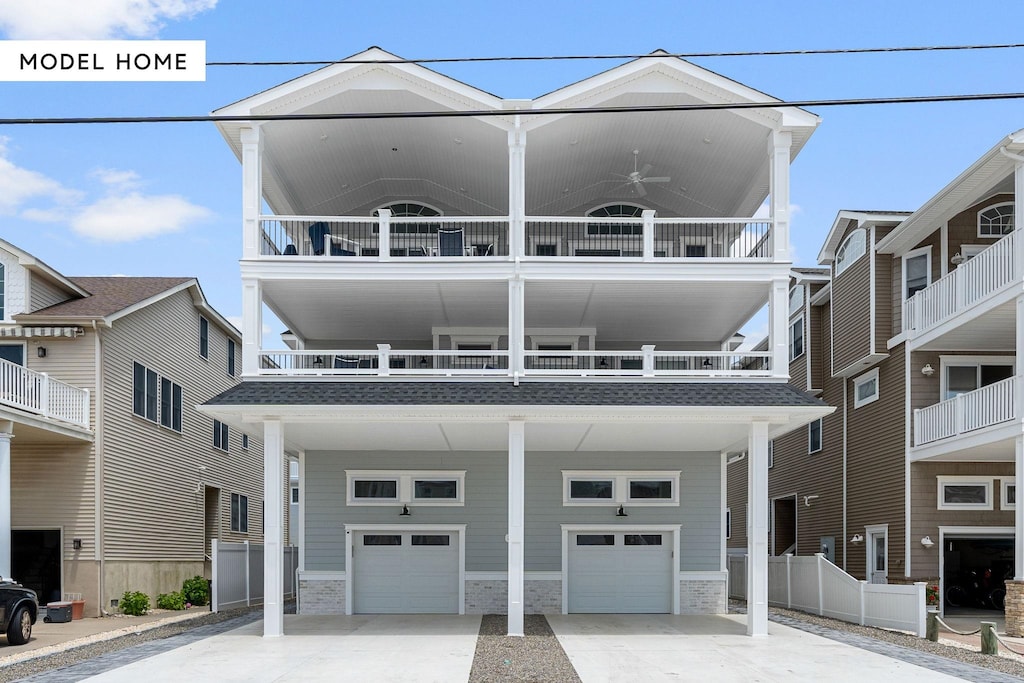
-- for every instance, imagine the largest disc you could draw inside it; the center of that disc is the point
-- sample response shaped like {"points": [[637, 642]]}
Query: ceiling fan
{"points": [[635, 180]]}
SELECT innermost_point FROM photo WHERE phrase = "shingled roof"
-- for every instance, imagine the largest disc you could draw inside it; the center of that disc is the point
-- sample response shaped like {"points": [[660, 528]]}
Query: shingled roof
{"points": [[681, 394], [108, 295]]}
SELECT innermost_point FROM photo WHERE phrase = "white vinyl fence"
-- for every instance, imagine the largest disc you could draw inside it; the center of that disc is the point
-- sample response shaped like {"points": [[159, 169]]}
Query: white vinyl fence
{"points": [[813, 584], [238, 574]]}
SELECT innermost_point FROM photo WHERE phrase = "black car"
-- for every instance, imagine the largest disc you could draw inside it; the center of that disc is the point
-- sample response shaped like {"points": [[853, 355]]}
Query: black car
{"points": [[18, 609]]}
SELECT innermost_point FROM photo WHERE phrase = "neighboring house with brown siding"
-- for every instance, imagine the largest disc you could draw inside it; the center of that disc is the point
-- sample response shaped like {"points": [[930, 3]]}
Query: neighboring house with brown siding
{"points": [[915, 479], [116, 481]]}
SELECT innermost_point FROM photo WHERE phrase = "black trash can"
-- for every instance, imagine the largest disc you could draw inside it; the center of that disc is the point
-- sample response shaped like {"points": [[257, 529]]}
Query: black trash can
{"points": [[57, 612]]}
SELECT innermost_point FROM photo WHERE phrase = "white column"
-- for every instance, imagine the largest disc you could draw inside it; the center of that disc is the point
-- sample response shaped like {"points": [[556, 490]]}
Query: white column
{"points": [[516, 326], [517, 190], [516, 535], [778, 327], [5, 504], [781, 141], [252, 326], [757, 530], [384, 234], [1018, 514], [252, 190], [273, 529]]}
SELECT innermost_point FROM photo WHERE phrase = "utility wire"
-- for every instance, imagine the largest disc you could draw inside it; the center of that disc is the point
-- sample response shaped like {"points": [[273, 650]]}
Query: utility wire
{"points": [[681, 55], [218, 118]]}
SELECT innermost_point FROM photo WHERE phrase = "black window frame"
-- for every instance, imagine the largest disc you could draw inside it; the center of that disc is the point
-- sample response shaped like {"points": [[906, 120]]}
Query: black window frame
{"points": [[239, 513], [221, 435], [204, 338], [231, 357]]}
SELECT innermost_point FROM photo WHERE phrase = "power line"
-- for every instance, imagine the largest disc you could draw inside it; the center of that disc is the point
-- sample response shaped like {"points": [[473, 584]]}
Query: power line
{"points": [[681, 55], [340, 116]]}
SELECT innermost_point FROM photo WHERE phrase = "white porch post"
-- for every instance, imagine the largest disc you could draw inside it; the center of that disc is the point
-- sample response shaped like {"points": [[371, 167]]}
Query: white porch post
{"points": [[778, 327], [517, 191], [516, 536], [252, 190], [273, 529], [778, 150], [5, 502], [757, 530], [516, 326], [1018, 513], [252, 326]]}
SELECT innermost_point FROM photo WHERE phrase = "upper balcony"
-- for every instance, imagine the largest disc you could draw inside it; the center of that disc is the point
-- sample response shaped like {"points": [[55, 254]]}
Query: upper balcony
{"points": [[974, 425], [969, 308], [40, 395]]}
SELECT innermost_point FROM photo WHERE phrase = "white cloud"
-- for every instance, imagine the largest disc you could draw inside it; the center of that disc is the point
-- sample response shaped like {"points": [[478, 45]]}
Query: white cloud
{"points": [[133, 216], [93, 19], [19, 185], [116, 178]]}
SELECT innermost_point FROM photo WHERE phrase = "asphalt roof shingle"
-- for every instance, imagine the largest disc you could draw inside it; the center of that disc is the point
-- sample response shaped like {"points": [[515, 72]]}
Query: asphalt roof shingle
{"points": [[108, 295]]}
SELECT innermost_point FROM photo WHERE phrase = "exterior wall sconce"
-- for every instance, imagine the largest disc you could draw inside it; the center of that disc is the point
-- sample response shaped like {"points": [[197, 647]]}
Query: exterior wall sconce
{"points": [[405, 512], [318, 362], [808, 499], [927, 542], [423, 361], [621, 512], [958, 258], [857, 539], [41, 351], [76, 543], [927, 370]]}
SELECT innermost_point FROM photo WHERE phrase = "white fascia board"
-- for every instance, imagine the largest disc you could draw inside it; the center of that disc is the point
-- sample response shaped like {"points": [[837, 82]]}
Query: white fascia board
{"points": [[822, 296], [839, 226], [810, 277], [31, 263]]}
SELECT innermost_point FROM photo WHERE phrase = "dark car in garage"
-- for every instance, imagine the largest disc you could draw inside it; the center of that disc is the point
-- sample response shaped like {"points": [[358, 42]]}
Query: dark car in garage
{"points": [[18, 610]]}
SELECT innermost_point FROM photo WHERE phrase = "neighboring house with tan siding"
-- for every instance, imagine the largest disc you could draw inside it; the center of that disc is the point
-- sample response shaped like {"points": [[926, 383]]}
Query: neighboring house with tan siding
{"points": [[116, 481], [916, 478]]}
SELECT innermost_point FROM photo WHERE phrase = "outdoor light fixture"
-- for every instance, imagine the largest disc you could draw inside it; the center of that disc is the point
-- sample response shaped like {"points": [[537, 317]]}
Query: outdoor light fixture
{"points": [[621, 512], [927, 370], [41, 352], [318, 362], [603, 364], [857, 539], [405, 512], [957, 259], [927, 542], [707, 363], [76, 543]]}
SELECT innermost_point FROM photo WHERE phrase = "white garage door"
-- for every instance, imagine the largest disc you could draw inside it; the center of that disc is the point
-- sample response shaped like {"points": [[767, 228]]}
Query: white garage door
{"points": [[405, 572], [618, 573]]}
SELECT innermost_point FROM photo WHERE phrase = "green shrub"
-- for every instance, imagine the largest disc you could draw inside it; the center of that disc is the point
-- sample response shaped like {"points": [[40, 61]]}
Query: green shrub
{"points": [[134, 603], [173, 600], [196, 591]]}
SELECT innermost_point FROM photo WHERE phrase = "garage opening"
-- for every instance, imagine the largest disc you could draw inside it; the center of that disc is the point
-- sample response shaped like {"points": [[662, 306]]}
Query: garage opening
{"points": [[620, 573], [36, 563], [405, 572], [974, 573]]}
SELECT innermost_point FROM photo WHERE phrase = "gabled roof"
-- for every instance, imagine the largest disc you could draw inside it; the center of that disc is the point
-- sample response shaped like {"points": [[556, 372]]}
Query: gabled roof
{"points": [[862, 218], [41, 269], [978, 181]]}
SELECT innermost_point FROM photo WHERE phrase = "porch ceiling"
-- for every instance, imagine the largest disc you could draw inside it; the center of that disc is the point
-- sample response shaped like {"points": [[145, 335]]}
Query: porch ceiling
{"points": [[397, 311]]}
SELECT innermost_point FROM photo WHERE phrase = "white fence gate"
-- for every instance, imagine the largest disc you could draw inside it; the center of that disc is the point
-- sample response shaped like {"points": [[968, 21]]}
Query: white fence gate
{"points": [[238, 574], [813, 584]]}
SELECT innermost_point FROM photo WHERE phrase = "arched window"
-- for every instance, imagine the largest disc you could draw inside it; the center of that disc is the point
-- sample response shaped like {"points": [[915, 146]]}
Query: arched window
{"points": [[852, 248], [411, 210], [616, 211], [996, 220]]}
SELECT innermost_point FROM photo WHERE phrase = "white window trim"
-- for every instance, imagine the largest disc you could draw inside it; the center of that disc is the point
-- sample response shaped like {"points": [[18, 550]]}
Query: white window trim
{"points": [[869, 531], [988, 208], [537, 340], [871, 375], [771, 453], [547, 242], [405, 480], [474, 339], [967, 361], [964, 480], [1005, 483], [620, 487], [728, 523], [923, 251], [863, 235], [821, 436], [803, 337]]}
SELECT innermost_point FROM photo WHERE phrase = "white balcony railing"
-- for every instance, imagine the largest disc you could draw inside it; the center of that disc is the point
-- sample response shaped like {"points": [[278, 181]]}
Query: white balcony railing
{"points": [[966, 412], [492, 237], [386, 362], [37, 392], [961, 289]]}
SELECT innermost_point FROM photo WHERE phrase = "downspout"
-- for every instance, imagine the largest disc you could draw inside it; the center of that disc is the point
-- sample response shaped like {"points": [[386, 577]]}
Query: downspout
{"points": [[98, 451], [844, 473]]}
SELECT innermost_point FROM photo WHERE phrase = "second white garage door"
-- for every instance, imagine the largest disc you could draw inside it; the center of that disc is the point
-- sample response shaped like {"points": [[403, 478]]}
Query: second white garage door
{"points": [[405, 572], [620, 573]]}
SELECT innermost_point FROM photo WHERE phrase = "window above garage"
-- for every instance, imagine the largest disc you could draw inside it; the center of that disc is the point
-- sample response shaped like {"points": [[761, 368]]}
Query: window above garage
{"points": [[599, 487], [965, 493], [390, 487]]}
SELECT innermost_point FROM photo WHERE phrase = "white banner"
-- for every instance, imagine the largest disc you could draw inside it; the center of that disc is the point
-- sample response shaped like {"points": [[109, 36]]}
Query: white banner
{"points": [[103, 60]]}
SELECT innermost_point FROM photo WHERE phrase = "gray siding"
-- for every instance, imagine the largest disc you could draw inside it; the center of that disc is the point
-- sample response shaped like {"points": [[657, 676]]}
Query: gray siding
{"points": [[485, 512]]}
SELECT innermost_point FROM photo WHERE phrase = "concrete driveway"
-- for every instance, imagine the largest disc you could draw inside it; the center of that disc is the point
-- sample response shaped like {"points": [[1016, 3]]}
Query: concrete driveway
{"points": [[653, 648], [413, 648]]}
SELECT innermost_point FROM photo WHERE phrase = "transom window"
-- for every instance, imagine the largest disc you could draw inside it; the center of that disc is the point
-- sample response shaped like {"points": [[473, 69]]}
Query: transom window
{"points": [[852, 248], [618, 488], [965, 493], [411, 210], [405, 488], [865, 389], [996, 220], [616, 211]]}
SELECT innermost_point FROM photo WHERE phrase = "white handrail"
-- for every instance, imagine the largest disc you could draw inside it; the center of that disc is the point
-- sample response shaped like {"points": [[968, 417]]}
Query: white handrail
{"points": [[984, 407], [38, 393]]}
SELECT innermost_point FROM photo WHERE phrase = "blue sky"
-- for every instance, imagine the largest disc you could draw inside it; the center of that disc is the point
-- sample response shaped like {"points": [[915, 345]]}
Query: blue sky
{"points": [[165, 199]]}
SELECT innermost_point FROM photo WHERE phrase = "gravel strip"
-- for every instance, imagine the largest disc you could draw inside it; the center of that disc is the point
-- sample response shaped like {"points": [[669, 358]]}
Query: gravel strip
{"points": [[899, 645], [536, 657], [103, 655]]}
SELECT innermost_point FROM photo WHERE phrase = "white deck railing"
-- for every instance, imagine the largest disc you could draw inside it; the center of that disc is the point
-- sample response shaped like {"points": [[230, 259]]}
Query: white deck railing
{"points": [[38, 393], [966, 412], [961, 289], [385, 361], [813, 584]]}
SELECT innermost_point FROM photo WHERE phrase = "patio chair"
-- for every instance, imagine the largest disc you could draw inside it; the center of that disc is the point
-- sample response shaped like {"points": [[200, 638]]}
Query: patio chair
{"points": [[451, 242], [317, 234], [342, 362], [290, 250]]}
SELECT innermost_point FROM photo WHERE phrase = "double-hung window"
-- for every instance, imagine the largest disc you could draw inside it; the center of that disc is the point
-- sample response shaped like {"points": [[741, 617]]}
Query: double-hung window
{"points": [[220, 435], [917, 270], [239, 513], [156, 398]]}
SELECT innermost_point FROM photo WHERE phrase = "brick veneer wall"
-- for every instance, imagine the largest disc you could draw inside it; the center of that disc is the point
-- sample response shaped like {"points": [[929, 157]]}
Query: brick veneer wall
{"points": [[321, 596], [703, 596], [491, 597], [1015, 608]]}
